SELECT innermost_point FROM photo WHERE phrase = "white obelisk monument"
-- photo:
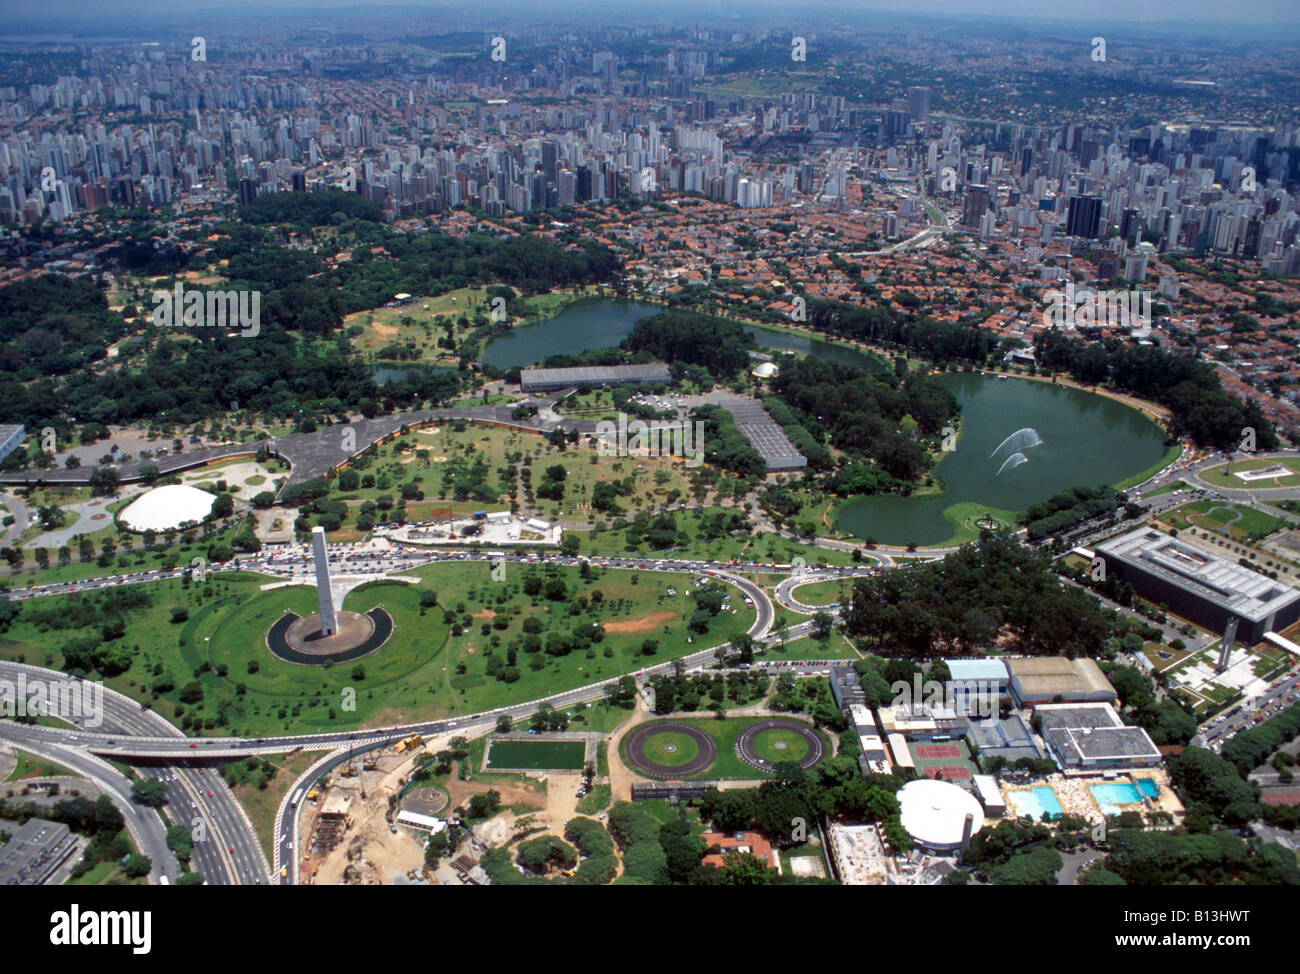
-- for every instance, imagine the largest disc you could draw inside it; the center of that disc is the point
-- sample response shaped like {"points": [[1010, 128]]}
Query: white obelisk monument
{"points": [[329, 623]]}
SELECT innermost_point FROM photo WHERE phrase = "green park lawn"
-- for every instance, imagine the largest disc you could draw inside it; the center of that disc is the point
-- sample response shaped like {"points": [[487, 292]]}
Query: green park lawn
{"points": [[34, 766], [423, 671], [1220, 477], [727, 764], [825, 593], [809, 647], [672, 748], [418, 325], [1243, 523]]}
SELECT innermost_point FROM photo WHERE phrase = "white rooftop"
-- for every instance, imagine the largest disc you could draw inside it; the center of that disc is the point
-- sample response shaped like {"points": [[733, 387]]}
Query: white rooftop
{"points": [[934, 812], [164, 508]]}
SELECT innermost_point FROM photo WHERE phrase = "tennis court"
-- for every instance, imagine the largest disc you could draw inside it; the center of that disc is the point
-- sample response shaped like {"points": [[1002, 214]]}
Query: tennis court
{"points": [[946, 772], [929, 752]]}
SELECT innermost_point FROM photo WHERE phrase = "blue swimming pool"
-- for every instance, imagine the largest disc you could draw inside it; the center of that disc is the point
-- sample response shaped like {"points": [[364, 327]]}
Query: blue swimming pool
{"points": [[1111, 797], [1036, 802], [1148, 787]]}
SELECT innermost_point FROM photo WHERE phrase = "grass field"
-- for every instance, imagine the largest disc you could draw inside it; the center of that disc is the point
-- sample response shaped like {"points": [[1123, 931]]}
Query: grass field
{"points": [[824, 593], [596, 800], [727, 764], [536, 755], [1220, 477], [671, 748], [807, 647], [216, 655], [415, 328], [779, 744], [261, 804], [1240, 521], [34, 766]]}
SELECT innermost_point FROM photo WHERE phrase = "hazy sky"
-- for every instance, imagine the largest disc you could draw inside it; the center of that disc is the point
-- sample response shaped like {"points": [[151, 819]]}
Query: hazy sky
{"points": [[1160, 11]]}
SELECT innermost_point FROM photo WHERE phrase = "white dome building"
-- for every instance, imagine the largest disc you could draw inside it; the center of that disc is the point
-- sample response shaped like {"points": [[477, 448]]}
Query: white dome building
{"points": [[934, 813], [765, 370], [165, 508]]}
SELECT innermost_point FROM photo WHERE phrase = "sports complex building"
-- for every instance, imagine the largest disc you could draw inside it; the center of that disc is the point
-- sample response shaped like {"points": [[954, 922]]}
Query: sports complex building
{"points": [[550, 380], [1090, 737], [1200, 586], [1056, 679]]}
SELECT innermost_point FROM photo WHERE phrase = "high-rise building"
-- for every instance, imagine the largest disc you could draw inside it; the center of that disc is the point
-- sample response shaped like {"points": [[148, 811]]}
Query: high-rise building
{"points": [[918, 103], [1084, 217], [975, 206]]}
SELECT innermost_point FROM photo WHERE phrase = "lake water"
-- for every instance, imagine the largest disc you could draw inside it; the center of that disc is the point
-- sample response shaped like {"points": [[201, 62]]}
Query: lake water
{"points": [[1086, 439], [602, 323]]}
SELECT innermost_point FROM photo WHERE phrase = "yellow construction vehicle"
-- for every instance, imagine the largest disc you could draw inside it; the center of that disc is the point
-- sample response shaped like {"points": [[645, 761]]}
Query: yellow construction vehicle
{"points": [[409, 743]]}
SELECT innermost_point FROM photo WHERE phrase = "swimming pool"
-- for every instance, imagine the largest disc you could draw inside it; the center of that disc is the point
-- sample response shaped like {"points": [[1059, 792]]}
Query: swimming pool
{"points": [[1035, 802], [1148, 787], [1111, 797]]}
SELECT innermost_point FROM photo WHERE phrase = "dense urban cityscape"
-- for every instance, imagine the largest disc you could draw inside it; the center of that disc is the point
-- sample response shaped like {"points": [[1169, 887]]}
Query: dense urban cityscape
{"points": [[724, 445]]}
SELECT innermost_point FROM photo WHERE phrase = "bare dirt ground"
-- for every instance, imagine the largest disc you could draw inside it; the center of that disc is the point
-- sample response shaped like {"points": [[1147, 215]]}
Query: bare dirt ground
{"points": [[460, 792], [644, 624], [561, 798], [269, 534], [620, 777]]}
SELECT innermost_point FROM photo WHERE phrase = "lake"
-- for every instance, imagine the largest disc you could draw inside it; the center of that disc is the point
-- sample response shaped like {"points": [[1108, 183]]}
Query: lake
{"points": [[1086, 439], [602, 323]]}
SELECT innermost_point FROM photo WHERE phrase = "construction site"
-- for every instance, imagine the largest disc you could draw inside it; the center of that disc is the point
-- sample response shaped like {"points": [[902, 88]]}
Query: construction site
{"points": [[349, 835], [365, 824]]}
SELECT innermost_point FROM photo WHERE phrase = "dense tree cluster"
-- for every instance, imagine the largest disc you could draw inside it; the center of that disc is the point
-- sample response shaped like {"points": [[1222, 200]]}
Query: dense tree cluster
{"points": [[1166, 721], [1251, 747], [1217, 858], [52, 325], [937, 341], [1211, 787], [718, 344], [1068, 508], [1015, 853], [834, 787], [710, 690], [964, 602], [866, 415], [1190, 387]]}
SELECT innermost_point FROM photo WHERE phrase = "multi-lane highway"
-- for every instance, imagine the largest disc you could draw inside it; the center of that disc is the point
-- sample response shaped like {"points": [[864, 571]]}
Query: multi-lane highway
{"points": [[226, 849], [144, 824]]}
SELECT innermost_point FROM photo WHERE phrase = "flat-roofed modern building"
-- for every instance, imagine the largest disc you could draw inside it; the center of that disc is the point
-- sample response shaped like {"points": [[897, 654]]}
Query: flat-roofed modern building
{"points": [[34, 852], [763, 433], [1085, 737], [549, 380], [11, 437], [873, 757], [977, 685], [1055, 679], [1200, 586], [990, 795], [923, 722]]}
